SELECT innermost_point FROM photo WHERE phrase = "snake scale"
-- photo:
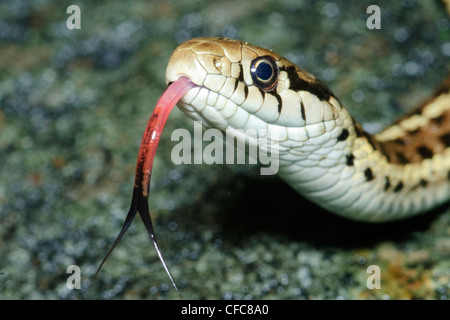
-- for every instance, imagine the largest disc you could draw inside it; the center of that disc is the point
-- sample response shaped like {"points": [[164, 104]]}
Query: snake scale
{"points": [[324, 154]]}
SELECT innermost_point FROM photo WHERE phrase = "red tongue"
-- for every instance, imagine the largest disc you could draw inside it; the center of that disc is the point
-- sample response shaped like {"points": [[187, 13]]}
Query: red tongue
{"points": [[154, 129], [139, 202]]}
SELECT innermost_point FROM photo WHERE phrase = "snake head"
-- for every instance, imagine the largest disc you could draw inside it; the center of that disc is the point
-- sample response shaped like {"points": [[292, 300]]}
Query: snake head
{"points": [[241, 86]]}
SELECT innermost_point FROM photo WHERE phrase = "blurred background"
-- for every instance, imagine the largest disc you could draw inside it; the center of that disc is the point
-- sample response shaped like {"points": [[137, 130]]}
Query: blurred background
{"points": [[74, 105]]}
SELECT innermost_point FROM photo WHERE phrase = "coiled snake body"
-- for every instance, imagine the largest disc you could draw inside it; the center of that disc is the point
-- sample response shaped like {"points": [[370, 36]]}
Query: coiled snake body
{"points": [[323, 153]]}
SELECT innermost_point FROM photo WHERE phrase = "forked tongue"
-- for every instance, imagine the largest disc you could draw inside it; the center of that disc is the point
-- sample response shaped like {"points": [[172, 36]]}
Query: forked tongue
{"points": [[147, 150]]}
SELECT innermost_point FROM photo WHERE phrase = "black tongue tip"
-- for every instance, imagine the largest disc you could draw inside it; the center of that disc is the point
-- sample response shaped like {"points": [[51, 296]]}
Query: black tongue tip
{"points": [[128, 220], [139, 204], [142, 206]]}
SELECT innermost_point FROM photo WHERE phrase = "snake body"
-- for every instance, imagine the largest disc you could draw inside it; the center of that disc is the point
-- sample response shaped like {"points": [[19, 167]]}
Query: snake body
{"points": [[324, 154]]}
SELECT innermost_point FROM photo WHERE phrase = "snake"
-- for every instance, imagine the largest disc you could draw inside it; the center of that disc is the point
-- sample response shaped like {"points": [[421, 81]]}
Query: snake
{"points": [[323, 152]]}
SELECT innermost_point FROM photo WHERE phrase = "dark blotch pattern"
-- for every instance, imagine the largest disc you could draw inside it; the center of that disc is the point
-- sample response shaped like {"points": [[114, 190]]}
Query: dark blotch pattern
{"points": [[422, 183], [344, 135], [277, 96], [361, 133], [425, 152], [438, 120], [387, 185], [400, 141], [369, 174], [263, 94], [302, 109], [398, 187], [350, 159], [445, 139], [401, 158], [317, 88], [236, 83], [241, 73]]}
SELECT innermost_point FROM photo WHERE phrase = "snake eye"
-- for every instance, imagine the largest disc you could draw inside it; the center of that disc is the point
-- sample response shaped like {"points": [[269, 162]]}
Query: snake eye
{"points": [[264, 72]]}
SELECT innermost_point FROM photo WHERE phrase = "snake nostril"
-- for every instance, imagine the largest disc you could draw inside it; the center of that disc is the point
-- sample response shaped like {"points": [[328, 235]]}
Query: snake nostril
{"points": [[218, 63]]}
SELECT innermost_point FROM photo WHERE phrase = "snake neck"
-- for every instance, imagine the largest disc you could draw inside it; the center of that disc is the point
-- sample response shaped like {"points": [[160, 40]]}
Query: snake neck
{"points": [[402, 171]]}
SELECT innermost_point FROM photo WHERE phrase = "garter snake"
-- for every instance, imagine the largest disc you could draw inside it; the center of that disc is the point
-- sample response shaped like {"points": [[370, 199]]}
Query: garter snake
{"points": [[324, 153]]}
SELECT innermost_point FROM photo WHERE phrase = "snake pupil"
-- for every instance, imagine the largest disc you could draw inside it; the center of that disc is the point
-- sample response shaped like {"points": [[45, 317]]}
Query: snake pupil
{"points": [[264, 72]]}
